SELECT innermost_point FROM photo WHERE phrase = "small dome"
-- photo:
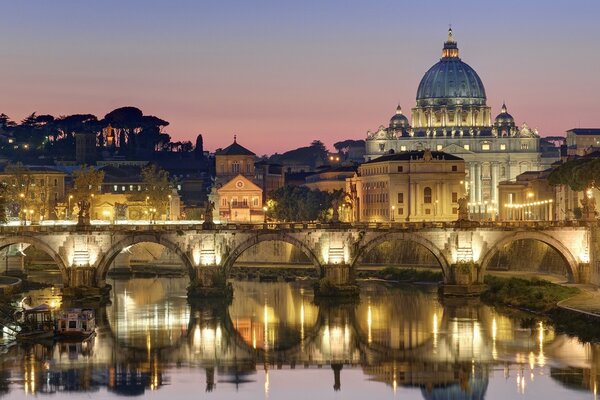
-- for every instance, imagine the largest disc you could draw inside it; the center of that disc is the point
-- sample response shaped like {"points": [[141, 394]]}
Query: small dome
{"points": [[399, 120], [504, 118]]}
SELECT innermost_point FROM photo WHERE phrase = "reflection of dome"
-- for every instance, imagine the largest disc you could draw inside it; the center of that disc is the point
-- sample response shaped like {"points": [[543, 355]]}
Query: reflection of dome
{"points": [[399, 120], [476, 389], [450, 81], [504, 118]]}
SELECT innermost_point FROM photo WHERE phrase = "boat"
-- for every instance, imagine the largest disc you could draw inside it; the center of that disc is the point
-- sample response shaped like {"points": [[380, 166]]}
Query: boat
{"points": [[75, 324], [36, 323]]}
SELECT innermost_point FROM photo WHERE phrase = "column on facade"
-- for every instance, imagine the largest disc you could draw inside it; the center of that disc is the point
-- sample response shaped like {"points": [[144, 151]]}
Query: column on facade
{"points": [[477, 178], [472, 196], [495, 184], [416, 199]]}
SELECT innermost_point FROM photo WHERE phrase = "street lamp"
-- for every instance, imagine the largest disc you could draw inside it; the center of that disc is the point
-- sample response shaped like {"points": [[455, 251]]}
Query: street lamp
{"points": [[265, 209], [21, 208], [393, 212]]}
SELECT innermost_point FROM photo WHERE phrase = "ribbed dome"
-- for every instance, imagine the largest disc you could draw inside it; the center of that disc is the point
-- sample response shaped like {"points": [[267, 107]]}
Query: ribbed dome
{"points": [[451, 81], [399, 120], [504, 118]]}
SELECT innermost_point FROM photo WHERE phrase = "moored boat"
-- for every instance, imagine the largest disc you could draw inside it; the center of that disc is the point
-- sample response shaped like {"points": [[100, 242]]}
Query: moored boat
{"points": [[75, 324], [36, 324]]}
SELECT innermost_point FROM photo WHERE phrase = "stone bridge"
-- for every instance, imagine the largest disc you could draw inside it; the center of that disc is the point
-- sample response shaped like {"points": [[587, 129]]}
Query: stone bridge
{"points": [[85, 254]]}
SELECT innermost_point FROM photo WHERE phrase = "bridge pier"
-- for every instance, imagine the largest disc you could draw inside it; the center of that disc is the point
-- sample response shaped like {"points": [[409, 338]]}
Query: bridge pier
{"points": [[337, 280], [81, 285], [465, 280], [210, 282]]}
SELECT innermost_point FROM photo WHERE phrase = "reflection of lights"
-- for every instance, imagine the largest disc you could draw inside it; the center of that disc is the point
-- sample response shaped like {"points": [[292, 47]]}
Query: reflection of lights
{"points": [[541, 357], [494, 334], [369, 324], [435, 330]]}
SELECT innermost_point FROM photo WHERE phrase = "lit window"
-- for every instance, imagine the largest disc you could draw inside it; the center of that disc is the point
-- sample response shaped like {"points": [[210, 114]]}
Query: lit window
{"points": [[485, 147], [402, 148], [400, 168], [502, 146], [439, 147], [467, 147], [524, 146], [427, 195]]}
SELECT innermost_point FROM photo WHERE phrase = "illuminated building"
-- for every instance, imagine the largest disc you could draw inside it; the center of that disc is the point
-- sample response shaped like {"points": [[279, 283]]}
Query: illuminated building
{"points": [[451, 115], [409, 186], [582, 141]]}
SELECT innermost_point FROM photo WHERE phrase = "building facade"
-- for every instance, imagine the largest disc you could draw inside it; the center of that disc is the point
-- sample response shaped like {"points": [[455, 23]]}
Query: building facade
{"points": [[408, 186], [451, 115], [240, 200], [582, 141]]}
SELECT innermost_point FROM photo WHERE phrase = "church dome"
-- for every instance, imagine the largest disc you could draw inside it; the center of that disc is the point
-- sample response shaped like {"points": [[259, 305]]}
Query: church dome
{"points": [[450, 81], [504, 118], [399, 120]]}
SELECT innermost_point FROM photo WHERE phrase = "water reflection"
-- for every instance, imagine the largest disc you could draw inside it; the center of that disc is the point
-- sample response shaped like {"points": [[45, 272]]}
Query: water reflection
{"points": [[273, 336]]}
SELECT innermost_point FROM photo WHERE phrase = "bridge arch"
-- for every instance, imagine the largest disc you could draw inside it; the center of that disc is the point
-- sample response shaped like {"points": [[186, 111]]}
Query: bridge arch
{"points": [[40, 245], [115, 249], [413, 237], [555, 244], [267, 237]]}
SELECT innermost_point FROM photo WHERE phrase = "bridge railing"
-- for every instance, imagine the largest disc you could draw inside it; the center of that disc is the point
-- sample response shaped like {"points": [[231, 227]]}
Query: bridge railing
{"points": [[14, 229]]}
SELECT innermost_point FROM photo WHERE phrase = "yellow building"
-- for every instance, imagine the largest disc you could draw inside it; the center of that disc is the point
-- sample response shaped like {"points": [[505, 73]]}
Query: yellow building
{"points": [[409, 186], [232, 161], [240, 200], [41, 192], [528, 198]]}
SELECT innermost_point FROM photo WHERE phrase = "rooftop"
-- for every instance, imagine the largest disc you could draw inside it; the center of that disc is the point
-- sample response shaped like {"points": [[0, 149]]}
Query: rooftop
{"points": [[415, 155]]}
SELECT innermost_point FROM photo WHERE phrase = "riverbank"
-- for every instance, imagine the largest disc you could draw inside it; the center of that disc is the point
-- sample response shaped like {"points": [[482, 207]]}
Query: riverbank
{"points": [[565, 307]]}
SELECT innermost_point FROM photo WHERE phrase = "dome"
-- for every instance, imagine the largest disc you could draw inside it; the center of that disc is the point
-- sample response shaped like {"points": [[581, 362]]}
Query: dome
{"points": [[451, 81], [399, 120], [504, 118]]}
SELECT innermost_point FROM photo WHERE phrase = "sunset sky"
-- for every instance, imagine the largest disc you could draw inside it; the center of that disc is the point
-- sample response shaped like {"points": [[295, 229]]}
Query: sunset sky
{"points": [[280, 74]]}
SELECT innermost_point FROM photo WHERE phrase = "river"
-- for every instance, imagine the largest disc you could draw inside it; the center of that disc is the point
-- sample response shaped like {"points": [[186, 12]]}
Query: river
{"points": [[274, 342]]}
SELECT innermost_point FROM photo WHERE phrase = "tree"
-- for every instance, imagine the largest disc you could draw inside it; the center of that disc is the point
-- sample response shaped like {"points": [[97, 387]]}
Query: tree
{"points": [[20, 191], [299, 203], [157, 190], [579, 174], [87, 183]]}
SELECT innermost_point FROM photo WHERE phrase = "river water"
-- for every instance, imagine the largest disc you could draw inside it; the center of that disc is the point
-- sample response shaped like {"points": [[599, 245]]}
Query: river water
{"points": [[274, 342]]}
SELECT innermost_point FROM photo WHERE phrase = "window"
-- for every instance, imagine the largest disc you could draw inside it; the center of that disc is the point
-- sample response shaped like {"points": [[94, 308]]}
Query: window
{"points": [[247, 167], [255, 201], [224, 201], [115, 188], [454, 168], [72, 324], [502, 171], [381, 146], [427, 195], [454, 210], [400, 198], [245, 201], [400, 168], [401, 211], [55, 182], [485, 147], [524, 146], [428, 211], [454, 197], [467, 147], [235, 167], [402, 148], [502, 146], [439, 147]]}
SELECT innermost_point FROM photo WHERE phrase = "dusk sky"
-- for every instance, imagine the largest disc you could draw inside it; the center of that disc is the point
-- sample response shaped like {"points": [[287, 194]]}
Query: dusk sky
{"points": [[280, 74]]}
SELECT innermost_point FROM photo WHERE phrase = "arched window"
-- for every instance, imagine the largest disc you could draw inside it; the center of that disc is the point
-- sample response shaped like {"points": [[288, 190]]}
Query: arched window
{"points": [[235, 167], [427, 195]]}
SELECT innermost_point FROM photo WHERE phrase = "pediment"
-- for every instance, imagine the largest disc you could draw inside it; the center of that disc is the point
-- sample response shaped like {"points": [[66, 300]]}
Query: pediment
{"points": [[453, 148], [240, 182]]}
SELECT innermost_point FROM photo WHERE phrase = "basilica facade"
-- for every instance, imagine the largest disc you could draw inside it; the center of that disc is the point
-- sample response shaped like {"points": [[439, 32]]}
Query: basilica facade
{"points": [[451, 116]]}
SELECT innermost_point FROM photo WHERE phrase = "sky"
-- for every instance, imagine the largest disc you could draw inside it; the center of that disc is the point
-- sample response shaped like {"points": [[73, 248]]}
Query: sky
{"points": [[280, 74]]}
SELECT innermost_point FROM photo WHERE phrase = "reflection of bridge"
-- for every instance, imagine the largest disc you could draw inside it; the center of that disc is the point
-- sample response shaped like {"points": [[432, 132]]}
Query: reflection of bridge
{"points": [[84, 255], [458, 345]]}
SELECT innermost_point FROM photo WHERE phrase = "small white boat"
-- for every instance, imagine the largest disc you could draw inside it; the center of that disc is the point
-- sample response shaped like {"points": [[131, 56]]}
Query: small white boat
{"points": [[75, 323]]}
